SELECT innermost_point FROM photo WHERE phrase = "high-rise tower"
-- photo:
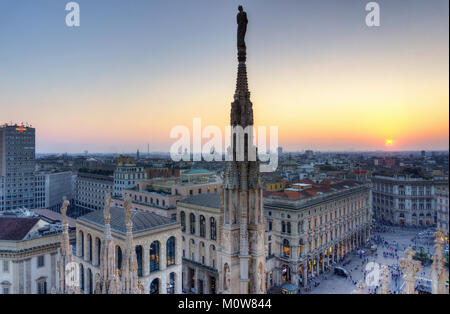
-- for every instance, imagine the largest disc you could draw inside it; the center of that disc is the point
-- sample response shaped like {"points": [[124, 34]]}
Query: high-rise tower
{"points": [[242, 238], [17, 163]]}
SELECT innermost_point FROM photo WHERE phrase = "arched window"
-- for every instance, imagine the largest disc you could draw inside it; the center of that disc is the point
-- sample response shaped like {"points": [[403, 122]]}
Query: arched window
{"points": [[99, 249], [202, 226], [119, 257], [202, 252], [154, 286], [300, 247], [81, 235], [171, 287], [170, 248], [212, 222], [183, 221], [288, 227], [286, 248], [212, 256], [192, 223], [139, 259], [90, 287], [81, 277], [283, 227], [154, 256], [89, 248], [192, 249]]}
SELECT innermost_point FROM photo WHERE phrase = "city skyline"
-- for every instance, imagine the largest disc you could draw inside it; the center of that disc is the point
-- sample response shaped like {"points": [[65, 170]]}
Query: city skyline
{"points": [[131, 72]]}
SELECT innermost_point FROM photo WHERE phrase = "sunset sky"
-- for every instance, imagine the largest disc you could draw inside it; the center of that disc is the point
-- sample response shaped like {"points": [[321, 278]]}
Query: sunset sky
{"points": [[135, 69]]}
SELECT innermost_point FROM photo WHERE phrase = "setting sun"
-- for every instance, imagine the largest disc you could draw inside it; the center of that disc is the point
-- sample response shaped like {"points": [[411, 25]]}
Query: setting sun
{"points": [[389, 142]]}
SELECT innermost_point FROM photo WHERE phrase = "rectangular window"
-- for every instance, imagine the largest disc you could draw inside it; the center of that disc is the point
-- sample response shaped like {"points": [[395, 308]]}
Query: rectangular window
{"points": [[40, 261], [5, 266]]}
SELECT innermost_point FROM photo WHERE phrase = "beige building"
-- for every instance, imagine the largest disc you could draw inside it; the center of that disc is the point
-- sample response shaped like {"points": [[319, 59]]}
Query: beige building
{"points": [[90, 190], [28, 255], [157, 243], [160, 195], [308, 234], [199, 216]]}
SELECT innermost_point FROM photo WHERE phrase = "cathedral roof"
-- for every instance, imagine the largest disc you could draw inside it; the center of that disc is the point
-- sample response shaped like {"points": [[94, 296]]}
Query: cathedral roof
{"points": [[142, 221], [211, 200]]}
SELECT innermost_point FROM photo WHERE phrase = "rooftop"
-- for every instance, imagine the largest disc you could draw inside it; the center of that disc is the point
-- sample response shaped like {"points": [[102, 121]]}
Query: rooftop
{"points": [[16, 228], [211, 200], [142, 221]]}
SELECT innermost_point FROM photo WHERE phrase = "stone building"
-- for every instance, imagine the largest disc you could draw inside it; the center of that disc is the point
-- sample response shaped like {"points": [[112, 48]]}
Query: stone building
{"points": [[199, 216], [160, 195], [155, 241], [28, 254], [313, 230], [51, 187], [126, 175], [90, 189], [404, 199], [441, 196]]}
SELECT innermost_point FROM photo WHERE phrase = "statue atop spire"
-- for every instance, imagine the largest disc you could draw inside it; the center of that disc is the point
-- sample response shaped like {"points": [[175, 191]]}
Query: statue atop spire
{"points": [[242, 22]]}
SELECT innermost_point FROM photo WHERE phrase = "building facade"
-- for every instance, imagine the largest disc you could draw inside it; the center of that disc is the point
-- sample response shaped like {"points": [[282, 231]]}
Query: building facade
{"points": [[17, 165], [90, 190], [199, 216], [51, 187], [126, 176], [307, 235], [160, 195], [155, 239], [403, 200], [441, 195], [28, 255]]}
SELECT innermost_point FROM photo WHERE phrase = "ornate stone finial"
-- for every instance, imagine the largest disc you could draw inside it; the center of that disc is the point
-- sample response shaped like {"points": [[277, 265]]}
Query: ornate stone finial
{"points": [[128, 212], [64, 206], [106, 211], [410, 268], [385, 275], [242, 22]]}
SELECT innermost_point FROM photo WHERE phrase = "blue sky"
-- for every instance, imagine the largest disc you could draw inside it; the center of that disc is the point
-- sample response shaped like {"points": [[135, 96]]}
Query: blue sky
{"points": [[133, 69]]}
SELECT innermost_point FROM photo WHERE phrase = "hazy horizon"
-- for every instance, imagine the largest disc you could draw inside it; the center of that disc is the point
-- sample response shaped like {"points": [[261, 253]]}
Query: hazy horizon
{"points": [[133, 70]]}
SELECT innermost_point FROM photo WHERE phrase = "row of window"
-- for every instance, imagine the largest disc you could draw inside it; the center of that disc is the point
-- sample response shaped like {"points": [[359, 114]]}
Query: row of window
{"points": [[202, 225]]}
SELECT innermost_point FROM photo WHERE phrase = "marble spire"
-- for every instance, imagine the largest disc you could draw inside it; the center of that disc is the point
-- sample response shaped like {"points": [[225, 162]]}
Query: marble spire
{"points": [[242, 237], [107, 281]]}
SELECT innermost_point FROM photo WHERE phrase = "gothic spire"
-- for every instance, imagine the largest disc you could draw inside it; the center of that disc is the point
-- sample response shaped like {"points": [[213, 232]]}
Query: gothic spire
{"points": [[107, 280]]}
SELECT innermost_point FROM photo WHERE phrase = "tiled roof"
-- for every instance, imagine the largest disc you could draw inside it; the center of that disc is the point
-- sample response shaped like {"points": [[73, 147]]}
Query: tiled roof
{"points": [[141, 220], [16, 228], [52, 215], [211, 200]]}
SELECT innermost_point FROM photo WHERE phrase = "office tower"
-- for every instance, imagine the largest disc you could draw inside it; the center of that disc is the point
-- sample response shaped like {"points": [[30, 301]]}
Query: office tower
{"points": [[17, 165]]}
